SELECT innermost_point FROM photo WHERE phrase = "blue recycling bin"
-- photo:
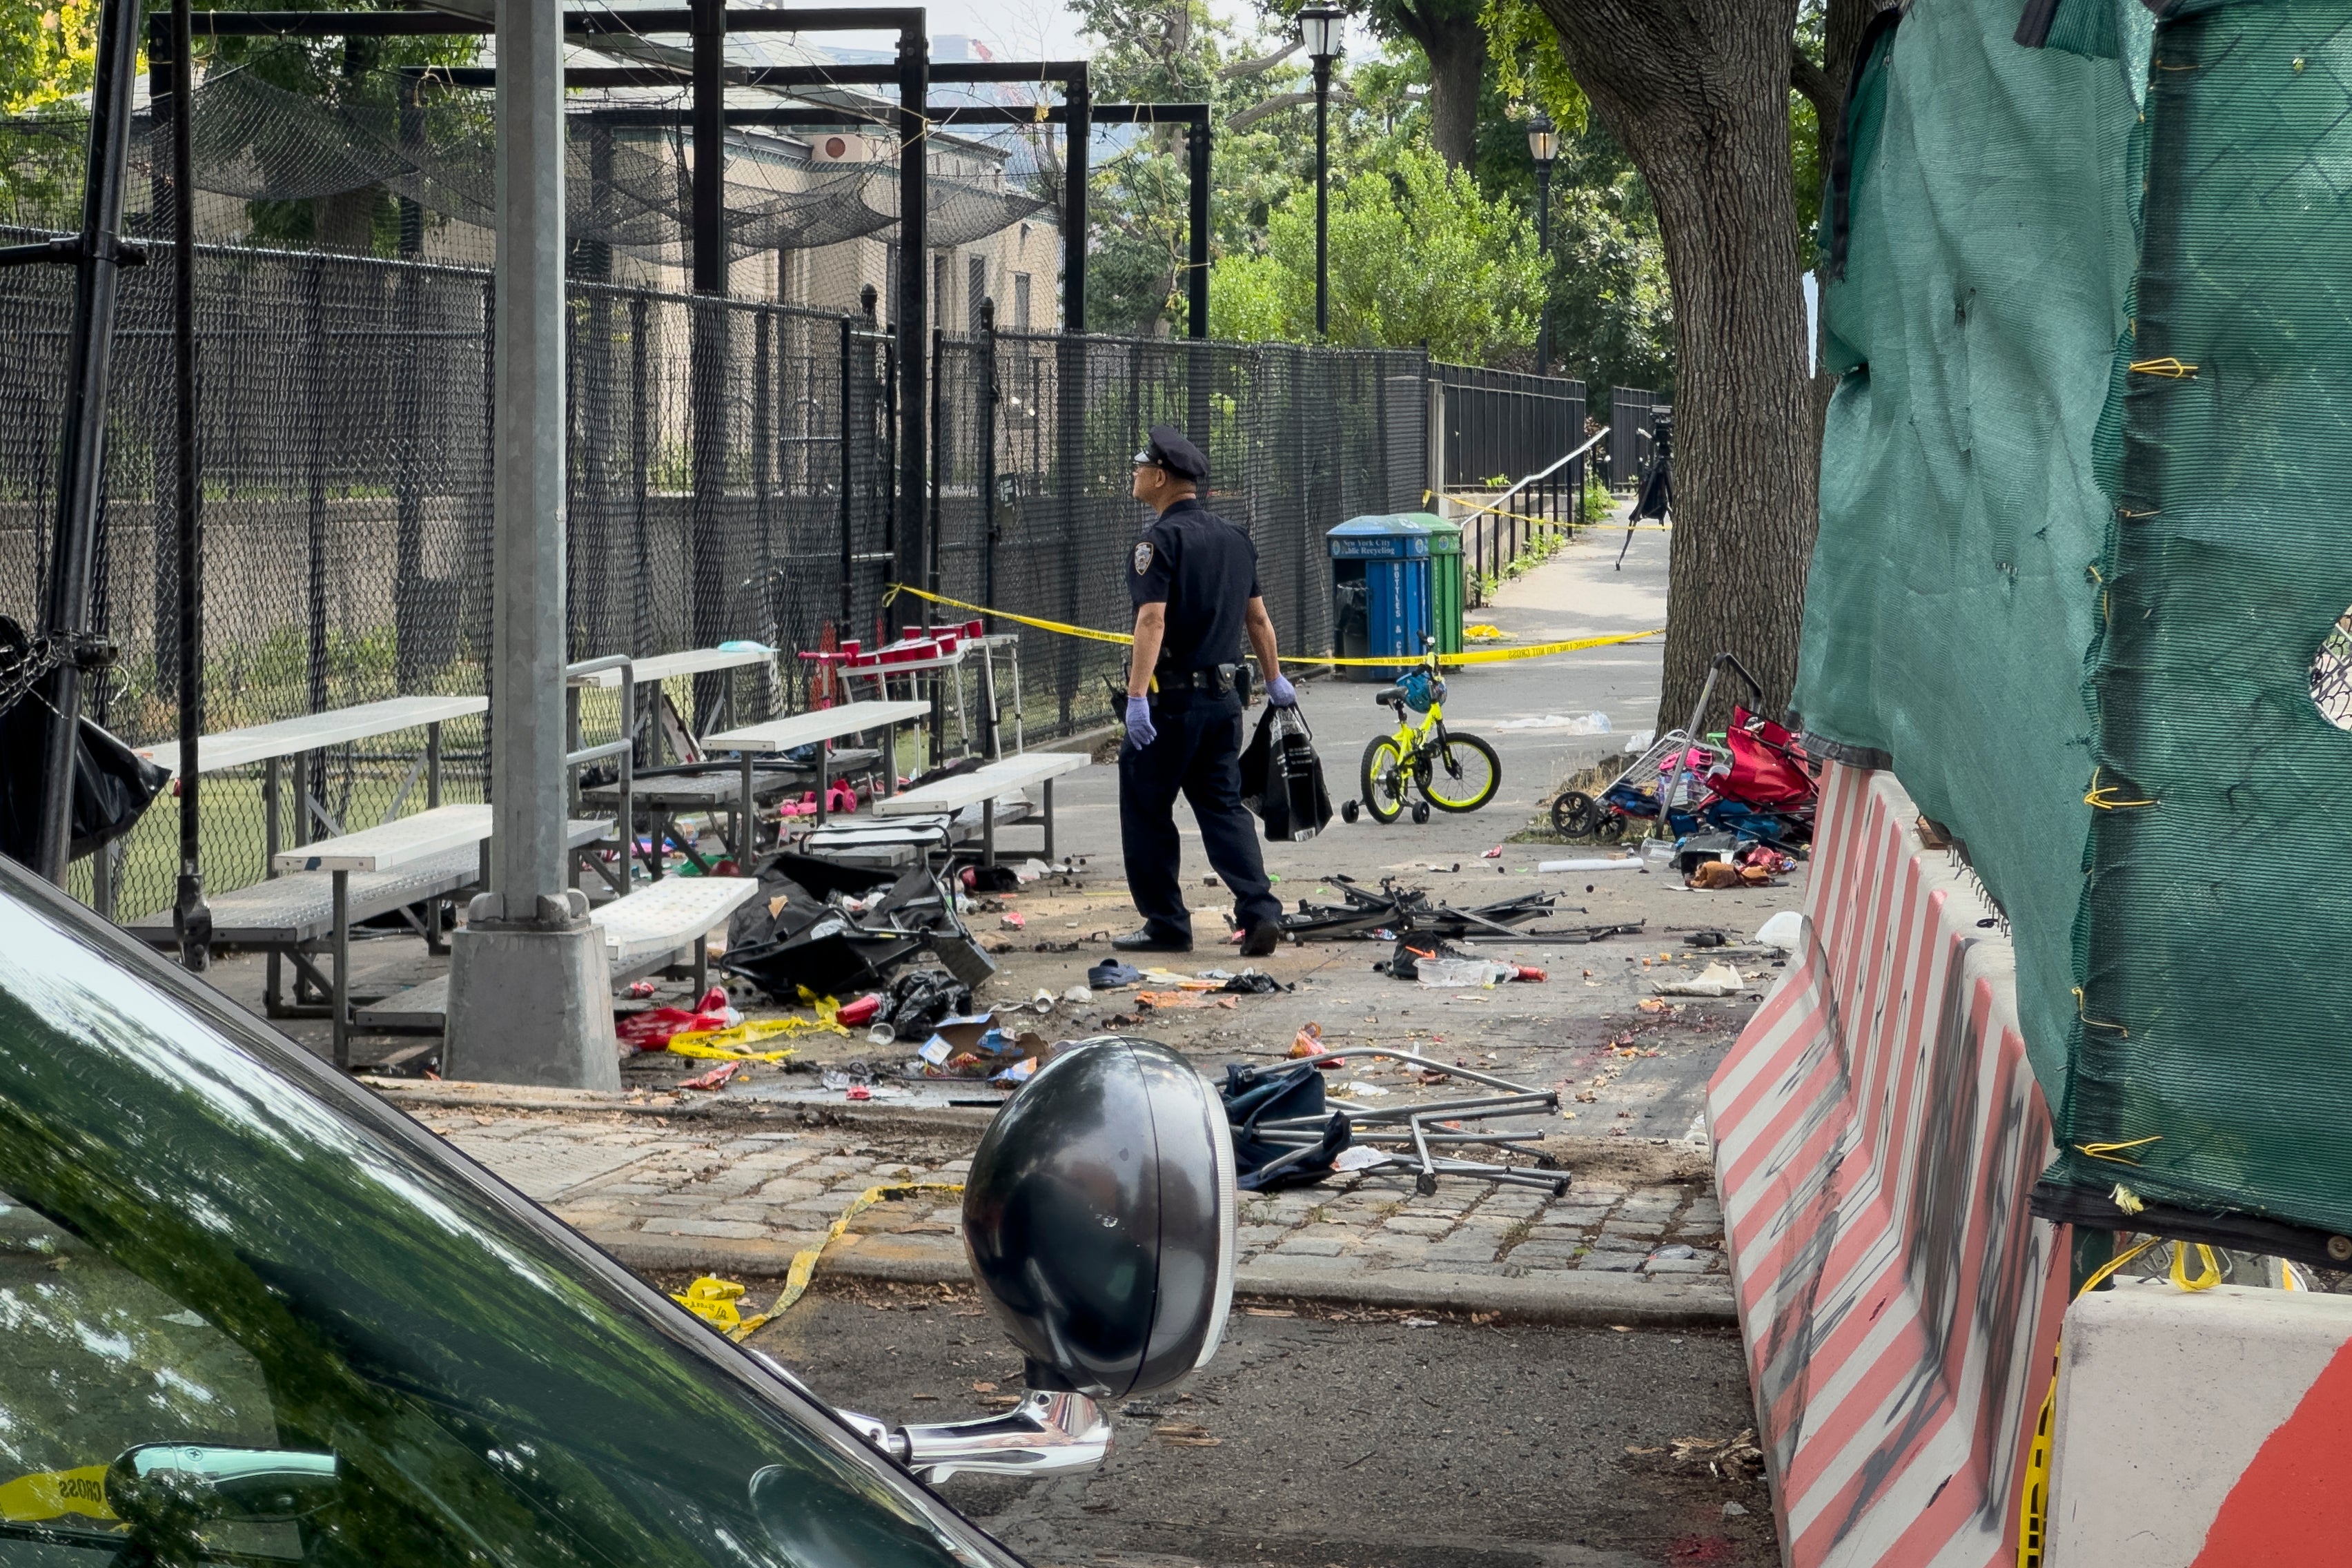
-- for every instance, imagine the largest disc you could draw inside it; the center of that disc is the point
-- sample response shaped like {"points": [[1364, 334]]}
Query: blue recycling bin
{"points": [[1380, 593]]}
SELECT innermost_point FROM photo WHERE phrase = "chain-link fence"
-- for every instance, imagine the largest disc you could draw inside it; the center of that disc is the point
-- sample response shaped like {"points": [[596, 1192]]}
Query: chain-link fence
{"points": [[731, 477]]}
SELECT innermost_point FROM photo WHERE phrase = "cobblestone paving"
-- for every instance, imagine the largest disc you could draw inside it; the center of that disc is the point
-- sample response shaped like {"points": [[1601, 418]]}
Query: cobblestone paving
{"points": [[624, 1179]]}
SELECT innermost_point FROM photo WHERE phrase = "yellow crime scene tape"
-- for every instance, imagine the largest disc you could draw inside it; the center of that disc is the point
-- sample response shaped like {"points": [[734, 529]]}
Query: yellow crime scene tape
{"points": [[52, 1494], [1476, 656], [714, 1300]]}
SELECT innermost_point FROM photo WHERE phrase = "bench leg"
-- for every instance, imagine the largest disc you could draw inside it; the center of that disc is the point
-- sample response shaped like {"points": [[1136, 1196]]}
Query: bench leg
{"points": [[1049, 822], [823, 778], [988, 832], [342, 997], [748, 820], [702, 964]]}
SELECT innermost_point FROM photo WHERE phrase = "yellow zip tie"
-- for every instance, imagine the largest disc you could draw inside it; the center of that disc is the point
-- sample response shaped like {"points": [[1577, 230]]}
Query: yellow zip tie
{"points": [[2104, 796], [1448, 661], [2095, 1023], [2123, 1198], [2169, 368], [2109, 1152], [2209, 1273]]}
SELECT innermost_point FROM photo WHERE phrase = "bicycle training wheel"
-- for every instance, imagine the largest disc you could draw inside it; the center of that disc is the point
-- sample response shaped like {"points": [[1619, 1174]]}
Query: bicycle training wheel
{"points": [[1383, 781], [1464, 775]]}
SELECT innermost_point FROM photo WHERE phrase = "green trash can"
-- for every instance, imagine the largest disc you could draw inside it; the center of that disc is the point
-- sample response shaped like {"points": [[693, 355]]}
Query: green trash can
{"points": [[1444, 579]]}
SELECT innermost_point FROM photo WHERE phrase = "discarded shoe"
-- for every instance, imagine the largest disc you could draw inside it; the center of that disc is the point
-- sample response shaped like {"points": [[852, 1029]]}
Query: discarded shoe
{"points": [[1111, 974], [1145, 941], [1262, 939]]}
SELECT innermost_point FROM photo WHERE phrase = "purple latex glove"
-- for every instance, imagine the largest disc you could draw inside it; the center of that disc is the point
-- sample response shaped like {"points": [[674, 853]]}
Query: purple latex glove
{"points": [[1140, 732], [1280, 692]]}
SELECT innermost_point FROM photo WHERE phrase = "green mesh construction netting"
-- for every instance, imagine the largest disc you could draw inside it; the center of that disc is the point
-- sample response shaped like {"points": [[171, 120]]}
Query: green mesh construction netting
{"points": [[2083, 496]]}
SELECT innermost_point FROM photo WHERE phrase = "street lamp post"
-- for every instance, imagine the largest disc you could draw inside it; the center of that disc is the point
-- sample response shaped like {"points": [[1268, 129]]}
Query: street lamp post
{"points": [[1543, 145], [1318, 29]]}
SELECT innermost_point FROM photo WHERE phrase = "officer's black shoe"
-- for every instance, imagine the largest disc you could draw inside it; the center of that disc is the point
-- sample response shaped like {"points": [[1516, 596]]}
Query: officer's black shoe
{"points": [[1262, 940], [1146, 941]]}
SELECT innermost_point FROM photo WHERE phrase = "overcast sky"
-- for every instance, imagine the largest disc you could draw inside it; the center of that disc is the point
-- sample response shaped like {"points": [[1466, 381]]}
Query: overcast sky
{"points": [[1039, 29]]}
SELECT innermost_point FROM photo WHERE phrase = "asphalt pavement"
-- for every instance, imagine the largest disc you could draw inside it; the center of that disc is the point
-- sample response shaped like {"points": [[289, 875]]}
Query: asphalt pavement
{"points": [[1324, 1440]]}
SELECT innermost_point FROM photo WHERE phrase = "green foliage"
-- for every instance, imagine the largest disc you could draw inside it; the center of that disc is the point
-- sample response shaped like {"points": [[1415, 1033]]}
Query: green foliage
{"points": [[1418, 254], [47, 53], [1165, 51], [1528, 65]]}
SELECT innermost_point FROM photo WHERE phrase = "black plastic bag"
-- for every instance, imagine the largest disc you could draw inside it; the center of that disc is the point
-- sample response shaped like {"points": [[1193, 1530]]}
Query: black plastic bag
{"points": [[113, 784], [1254, 1094], [1282, 778]]}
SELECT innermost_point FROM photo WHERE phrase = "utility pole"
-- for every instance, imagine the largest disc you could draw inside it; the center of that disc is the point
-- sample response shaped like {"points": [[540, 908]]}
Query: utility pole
{"points": [[529, 989]]}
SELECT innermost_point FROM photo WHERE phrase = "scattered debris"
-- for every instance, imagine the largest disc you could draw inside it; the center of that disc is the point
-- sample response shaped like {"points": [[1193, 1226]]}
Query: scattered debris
{"points": [[1714, 980], [1732, 1458]]}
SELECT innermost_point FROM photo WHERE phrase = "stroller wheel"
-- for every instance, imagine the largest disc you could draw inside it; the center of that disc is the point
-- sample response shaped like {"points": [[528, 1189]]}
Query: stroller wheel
{"points": [[1419, 812], [1425, 1185], [1573, 814], [1348, 809], [1611, 825]]}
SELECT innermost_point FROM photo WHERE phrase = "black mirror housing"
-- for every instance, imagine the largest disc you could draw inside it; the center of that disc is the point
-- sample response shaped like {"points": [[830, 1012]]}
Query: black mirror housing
{"points": [[1100, 1216]]}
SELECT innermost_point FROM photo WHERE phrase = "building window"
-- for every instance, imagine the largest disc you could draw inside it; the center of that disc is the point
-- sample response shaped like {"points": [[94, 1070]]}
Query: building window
{"points": [[1021, 301], [975, 290]]}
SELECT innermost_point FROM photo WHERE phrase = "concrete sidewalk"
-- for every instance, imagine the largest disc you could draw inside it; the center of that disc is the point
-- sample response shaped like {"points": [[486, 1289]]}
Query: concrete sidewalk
{"points": [[1636, 1239]]}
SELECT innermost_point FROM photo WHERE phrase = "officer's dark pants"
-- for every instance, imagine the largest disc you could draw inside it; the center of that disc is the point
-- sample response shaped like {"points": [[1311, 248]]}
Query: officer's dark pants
{"points": [[1198, 753]]}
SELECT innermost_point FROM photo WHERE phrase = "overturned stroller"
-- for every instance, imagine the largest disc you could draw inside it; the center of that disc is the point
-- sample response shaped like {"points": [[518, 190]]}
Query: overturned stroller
{"points": [[1757, 785], [1286, 1133]]}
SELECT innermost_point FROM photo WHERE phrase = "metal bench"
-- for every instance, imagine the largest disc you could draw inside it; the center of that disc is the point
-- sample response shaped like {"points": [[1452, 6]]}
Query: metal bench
{"points": [[655, 668], [322, 889], [297, 739], [983, 787], [818, 729], [651, 928]]}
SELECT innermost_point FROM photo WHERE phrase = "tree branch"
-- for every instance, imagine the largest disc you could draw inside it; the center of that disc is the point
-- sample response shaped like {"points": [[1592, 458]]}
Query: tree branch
{"points": [[1826, 96], [1262, 65], [1280, 101]]}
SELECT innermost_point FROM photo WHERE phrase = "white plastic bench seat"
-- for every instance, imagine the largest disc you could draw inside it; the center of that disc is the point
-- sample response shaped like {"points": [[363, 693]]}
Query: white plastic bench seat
{"points": [[983, 786], [692, 662], [648, 928], [312, 731]]}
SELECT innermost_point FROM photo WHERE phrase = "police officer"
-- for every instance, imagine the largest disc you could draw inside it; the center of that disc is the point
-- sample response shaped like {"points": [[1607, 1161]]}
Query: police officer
{"points": [[1193, 578]]}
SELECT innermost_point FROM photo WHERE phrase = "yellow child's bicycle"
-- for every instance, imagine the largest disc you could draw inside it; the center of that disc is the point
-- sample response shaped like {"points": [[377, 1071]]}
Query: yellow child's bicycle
{"points": [[1453, 772]]}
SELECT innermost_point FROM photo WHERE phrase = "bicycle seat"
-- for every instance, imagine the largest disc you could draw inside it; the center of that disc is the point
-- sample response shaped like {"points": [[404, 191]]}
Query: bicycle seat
{"points": [[1389, 694]]}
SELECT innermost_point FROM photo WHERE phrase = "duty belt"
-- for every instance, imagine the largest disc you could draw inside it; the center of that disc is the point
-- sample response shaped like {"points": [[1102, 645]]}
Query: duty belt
{"points": [[1216, 680]]}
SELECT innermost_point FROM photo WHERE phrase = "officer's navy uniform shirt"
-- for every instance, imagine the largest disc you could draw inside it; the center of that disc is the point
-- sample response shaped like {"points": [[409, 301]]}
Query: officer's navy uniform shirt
{"points": [[1205, 571]]}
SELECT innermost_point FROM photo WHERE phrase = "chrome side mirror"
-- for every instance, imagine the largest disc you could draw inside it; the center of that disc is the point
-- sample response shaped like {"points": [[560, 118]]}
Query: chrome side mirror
{"points": [[1099, 1217], [165, 1493]]}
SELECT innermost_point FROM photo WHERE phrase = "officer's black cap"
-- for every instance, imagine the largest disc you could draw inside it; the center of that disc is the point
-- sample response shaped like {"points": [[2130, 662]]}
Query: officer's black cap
{"points": [[1169, 449]]}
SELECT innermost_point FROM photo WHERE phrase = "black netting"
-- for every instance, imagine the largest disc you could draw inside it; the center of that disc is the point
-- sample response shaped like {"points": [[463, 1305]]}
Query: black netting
{"points": [[429, 149]]}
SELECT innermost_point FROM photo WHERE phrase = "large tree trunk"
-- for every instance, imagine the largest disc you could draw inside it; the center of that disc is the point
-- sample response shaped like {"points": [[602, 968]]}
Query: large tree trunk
{"points": [[1697, 91], [1456, 47]]}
